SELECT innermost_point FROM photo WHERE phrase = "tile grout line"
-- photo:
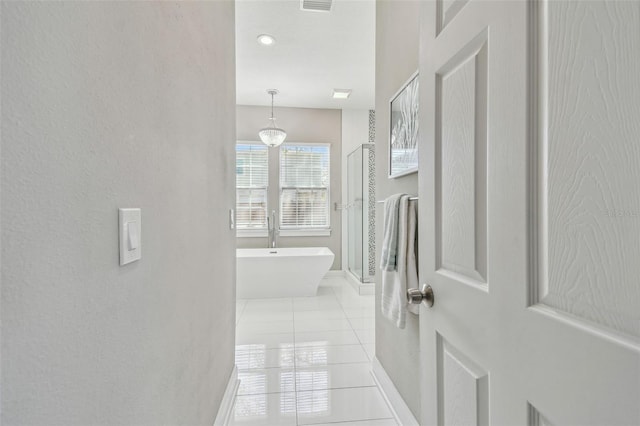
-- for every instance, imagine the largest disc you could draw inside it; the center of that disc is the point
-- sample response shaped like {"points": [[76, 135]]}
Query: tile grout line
{"points": [[351, 324], [362, 345], [295, 347]]}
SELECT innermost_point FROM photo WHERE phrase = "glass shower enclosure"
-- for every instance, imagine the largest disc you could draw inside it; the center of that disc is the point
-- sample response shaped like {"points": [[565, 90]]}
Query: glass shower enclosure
{"points": [[361, 212]]}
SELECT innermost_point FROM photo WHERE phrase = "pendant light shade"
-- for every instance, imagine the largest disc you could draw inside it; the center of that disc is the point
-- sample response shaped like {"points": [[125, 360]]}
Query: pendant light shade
{"points": [[272, 136]]}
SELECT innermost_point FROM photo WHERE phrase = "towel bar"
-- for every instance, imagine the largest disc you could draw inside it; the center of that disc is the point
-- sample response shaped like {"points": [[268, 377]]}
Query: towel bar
{"points": [[410, 199]]}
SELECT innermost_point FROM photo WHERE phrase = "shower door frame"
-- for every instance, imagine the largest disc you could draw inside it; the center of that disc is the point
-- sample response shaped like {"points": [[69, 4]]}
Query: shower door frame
{"points": [[365, 276]]}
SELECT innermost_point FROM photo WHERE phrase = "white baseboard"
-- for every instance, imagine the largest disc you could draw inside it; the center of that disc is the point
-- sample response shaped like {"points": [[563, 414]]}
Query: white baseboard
{"points": [[353, 281], [226, 405], [399, 408], [367, 289]]}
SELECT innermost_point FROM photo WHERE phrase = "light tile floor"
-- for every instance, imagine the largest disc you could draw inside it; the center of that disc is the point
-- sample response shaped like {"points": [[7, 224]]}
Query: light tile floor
{"points": [[307, 360]]}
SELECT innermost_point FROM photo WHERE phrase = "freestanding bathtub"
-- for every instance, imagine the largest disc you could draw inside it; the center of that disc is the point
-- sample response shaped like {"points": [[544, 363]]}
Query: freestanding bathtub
{"points": [[281, 272]]}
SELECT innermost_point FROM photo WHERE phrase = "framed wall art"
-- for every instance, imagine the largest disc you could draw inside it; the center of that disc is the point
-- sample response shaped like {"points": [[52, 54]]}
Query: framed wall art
{"points": [[403, 129]]}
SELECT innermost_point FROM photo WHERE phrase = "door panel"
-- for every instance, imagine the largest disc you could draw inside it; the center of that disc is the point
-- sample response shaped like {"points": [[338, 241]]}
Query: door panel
{"points": [[589, 201], [529, 187], [478, 139], [461, 148], [536, 418], [447, 10], [465, 395]]}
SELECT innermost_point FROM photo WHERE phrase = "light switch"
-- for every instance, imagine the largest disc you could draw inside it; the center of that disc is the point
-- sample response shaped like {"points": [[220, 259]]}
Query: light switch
{"points": [[130, 235]]}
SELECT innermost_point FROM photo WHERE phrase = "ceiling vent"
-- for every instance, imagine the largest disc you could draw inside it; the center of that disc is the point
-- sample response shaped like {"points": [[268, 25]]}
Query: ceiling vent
{"points": [[316, 5]]}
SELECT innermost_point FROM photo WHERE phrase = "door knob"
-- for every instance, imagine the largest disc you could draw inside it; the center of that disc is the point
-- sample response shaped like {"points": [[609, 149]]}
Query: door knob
{"points": [[416, 296]]}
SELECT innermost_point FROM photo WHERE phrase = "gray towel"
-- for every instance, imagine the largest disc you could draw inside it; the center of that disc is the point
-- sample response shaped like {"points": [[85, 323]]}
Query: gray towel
{"points": [[393, 296], [412, 252], [389, 257]]}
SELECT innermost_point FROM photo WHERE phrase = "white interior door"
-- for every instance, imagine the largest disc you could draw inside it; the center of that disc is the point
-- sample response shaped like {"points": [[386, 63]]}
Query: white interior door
{"points": [[530, 212]]}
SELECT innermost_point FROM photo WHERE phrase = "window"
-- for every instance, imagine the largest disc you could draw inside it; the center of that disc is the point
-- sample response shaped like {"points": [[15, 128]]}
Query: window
{"points": [[252, 176], [304, 186]]}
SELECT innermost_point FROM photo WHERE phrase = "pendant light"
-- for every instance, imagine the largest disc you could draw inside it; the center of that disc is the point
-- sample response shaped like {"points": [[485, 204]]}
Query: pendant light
{"points": [[272, 136]]}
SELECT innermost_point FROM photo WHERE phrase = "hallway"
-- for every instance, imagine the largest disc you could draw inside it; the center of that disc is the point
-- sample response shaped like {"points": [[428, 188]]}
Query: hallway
{"points": [[307, 360], [139, 151]]}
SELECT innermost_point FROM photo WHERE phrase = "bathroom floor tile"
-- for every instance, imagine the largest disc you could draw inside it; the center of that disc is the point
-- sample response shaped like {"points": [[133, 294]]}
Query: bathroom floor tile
{"points": [[341, 405], [274, 409], [326, 338], [253, 316], [366, 336], [334, 377], [259, 357], [355, 305], [320, 315], [351, 299], [347, 291], [268, 340], [362, 323], [316, 304], [370, 348], [270, 380], [325, 325], [380, 422], [301, 361], [275, 303], [360, 312], [307, 356], [265, 327]]}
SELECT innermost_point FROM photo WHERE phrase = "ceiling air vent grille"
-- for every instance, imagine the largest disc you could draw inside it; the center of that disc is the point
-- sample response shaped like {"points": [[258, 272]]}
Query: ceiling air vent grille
{"points": [[316, 5]]}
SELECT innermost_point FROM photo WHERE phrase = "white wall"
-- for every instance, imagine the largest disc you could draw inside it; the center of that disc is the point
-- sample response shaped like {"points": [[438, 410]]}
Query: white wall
{"points": [[107, 105], [310, 125], [355, 132], [397, 48]]}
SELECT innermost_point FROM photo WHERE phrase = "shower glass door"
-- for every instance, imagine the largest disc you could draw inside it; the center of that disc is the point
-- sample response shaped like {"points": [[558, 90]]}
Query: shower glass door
{"points": [[354, 211], [360, 220]]}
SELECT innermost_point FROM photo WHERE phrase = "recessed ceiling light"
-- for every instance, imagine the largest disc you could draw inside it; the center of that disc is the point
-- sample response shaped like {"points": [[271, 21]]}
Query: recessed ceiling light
{"points": [[266, 39], [341, 93], [316, 5]]}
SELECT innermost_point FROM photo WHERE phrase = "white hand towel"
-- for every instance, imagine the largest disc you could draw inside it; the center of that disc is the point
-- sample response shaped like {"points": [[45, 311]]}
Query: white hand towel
{"points": [[394, 282], [412, 252], [389, 252]]}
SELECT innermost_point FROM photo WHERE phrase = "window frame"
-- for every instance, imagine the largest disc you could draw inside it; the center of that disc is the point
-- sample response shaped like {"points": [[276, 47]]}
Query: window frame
{"points": [[261, 231], [304, 230]]}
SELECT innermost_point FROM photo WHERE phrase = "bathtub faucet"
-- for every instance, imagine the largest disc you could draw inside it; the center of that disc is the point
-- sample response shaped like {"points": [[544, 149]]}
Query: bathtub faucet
{"points": [[272, 229]]}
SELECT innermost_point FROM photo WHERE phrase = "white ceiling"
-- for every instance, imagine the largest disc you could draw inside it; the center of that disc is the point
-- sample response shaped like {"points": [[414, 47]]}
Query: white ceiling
{"points": [[314, 53]]}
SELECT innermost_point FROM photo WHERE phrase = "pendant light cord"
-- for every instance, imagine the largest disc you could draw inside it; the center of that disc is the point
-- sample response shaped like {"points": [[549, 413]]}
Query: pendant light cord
{"points": [[271, 105]]}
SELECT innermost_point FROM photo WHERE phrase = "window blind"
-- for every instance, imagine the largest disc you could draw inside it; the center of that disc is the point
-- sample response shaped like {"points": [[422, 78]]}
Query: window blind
{"points": [[304, 186], [252, 178]]}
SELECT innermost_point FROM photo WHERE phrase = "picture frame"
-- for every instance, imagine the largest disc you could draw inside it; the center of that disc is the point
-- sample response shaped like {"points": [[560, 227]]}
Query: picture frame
{"points": [[403, 129]]}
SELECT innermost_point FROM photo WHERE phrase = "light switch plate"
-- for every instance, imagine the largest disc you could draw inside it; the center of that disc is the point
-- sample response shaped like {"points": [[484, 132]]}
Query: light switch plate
{"points": [[130, 231]]}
